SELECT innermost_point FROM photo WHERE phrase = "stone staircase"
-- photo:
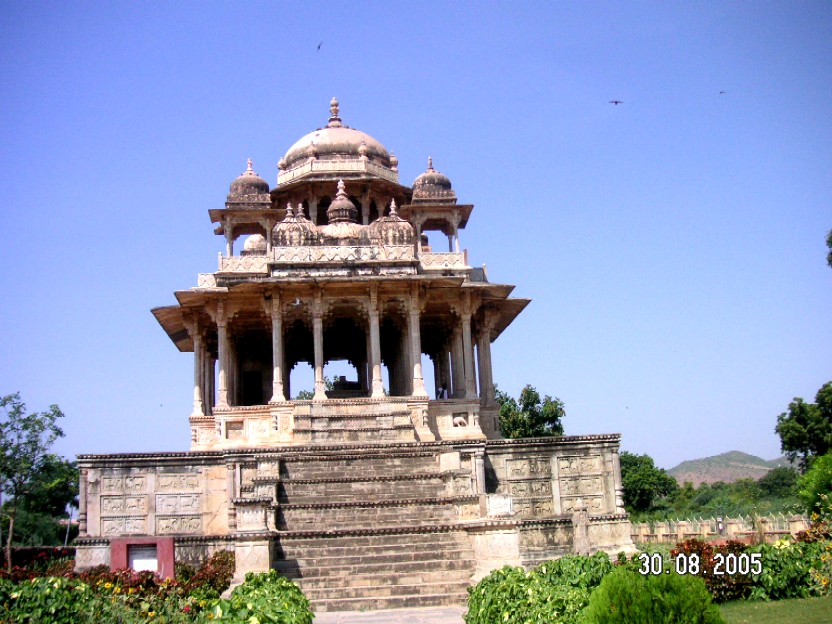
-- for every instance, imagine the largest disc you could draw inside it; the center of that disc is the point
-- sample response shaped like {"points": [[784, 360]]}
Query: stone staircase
{"points": [[371, 526], [379, 570]]}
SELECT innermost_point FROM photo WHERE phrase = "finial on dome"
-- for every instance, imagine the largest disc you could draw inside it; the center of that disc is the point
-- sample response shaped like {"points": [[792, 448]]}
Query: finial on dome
{"points": [[249, 170], [430, 163], [334, 119], [394, 162], [341, 189], [299, 211], [393, 212], [289, 212]]}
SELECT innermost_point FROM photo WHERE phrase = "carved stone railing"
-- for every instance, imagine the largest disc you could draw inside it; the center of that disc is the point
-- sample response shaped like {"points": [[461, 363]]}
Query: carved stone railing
{"points": [[341, 254], [437, 261], [243, 264], [206, 280], [323, 166]]}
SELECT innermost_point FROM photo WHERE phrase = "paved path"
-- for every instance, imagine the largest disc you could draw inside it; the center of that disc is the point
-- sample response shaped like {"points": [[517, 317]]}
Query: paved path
{"points": [[424, 615]]}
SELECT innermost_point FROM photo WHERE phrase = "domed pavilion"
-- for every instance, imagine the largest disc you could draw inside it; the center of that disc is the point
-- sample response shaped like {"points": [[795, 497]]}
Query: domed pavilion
{"points": [[341, 263]]}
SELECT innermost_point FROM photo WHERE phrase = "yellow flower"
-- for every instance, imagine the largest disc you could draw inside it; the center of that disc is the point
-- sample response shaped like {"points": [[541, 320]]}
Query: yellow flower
{"points": [[107, 585]]}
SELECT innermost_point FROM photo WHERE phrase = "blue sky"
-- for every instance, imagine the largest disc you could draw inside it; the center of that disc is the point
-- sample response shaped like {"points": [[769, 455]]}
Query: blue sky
{"points": [[673, 246]]}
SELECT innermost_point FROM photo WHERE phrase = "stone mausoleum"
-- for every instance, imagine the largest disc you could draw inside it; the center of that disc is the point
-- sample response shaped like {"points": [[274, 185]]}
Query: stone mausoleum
{"points": [[370, 491]]}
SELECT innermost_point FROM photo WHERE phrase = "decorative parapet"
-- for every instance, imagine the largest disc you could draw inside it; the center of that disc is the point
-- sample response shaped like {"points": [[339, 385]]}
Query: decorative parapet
{"points": [[323, 166], [445, 261], [206, 280], [342, 253], [243, 264]]}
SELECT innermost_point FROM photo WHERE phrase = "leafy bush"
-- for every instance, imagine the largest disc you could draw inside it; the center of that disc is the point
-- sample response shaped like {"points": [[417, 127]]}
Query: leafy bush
{"points": [[213, 577], [556, 591], [723, 587], [786, 570], [264, 597], [45, 599], [626, 596]]}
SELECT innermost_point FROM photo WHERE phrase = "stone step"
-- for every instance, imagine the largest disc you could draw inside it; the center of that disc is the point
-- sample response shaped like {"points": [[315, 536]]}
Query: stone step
{"points": [[389, 514], [415, 587], [383, 565], [397, 433], [366, 489], [399, 577], [402, 538], [393, 602]]}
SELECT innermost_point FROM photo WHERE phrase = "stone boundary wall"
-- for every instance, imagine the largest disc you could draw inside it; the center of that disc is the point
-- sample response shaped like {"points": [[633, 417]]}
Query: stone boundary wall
{"points": [[743, 528]]}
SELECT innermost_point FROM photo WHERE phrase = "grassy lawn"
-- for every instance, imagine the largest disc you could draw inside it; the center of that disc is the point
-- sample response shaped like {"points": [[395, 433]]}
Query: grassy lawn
{"points": [[808, 611]]}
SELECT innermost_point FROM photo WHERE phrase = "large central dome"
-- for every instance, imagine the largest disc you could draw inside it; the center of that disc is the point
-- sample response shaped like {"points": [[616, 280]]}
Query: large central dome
{"points": [[336, 142]]}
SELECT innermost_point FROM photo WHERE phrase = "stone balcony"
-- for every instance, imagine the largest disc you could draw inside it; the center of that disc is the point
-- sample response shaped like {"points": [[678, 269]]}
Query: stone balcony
{"points": [[286, 260], [329, 167]]}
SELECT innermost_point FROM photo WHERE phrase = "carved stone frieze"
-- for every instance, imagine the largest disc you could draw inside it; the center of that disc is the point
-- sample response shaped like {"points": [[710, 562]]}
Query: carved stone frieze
{"points": [[123, 505], [579, 464], [342, 253], [243, 264], [528, 467], [593, 504], [581, 486], [179, 482], [531, 488], [174, 525], [124, 526], [123, 484], [178, 503]]}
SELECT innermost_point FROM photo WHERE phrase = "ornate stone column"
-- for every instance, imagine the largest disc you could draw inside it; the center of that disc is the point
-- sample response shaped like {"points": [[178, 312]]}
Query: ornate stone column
{"points": [[199, 409], [82, 503], [318, 337], [277, 349], [222, 356], [468, 349], [484, 360], [418, 387], [375, 346], [229, 238], [365, 208], [457, 366]]}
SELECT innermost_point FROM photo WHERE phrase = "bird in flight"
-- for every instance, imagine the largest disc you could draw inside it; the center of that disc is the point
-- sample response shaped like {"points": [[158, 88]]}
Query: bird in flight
{"points": [[616, 102], [319, 46], [723, 92]]}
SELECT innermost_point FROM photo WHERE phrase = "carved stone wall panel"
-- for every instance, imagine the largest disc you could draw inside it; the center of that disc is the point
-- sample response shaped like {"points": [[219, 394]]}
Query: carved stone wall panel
{"points": [[179, 482], [178, 503], [539, 467], [123, 484], [531, 488], [580, 465], [593, 504], [124, 526], [534, 507], [123, 505], [174, 525], [582, 486]]}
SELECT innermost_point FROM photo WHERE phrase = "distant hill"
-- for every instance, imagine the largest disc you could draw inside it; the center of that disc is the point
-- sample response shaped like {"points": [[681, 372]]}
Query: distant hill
{"points": [[727, 467]]}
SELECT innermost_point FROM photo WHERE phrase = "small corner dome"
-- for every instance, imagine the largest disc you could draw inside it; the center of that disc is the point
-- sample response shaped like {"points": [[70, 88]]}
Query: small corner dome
{"points": [[249, 183], [431, 181], [335, 142], [255, 244]]}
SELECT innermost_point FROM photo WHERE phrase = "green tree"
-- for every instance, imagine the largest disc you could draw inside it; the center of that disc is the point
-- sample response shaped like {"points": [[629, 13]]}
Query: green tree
{"points": [[531, 416], [829, 244], [806, 429], [644, 484], [25, 440], [817, 484], [779, 482]]}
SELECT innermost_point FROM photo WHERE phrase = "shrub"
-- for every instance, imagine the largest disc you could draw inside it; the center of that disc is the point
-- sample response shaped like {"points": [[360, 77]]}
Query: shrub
{"points": [[723, 587], [55, 600], [626, 596], [213, 577], [268, 596], [786, 570], [555, 592]]}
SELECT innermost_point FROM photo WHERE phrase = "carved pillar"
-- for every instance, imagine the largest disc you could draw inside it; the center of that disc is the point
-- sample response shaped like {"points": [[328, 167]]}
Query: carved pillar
{"points": [[479, 470], [199, 409], [618, 486], [82, 503], [445, 369], [457, 367], [486, 375], [313, 209], [365, 208], [222, 356], [468, 349], [455, 225], [277, 349], [375, 346], [229, 238], [318, 336], [418, 386]]}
